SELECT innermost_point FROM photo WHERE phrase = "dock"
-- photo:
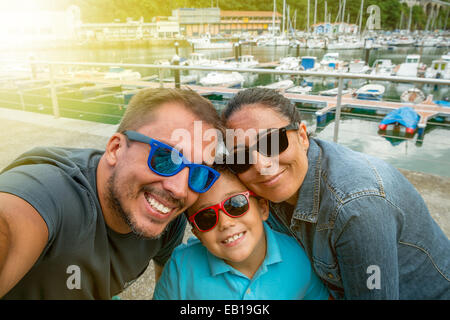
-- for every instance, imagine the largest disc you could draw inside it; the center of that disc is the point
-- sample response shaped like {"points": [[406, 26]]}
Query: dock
{"points": [[325, 104]]}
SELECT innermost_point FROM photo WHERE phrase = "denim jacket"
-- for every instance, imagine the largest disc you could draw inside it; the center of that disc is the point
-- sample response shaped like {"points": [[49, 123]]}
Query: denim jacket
{"points": [[365, 228]]}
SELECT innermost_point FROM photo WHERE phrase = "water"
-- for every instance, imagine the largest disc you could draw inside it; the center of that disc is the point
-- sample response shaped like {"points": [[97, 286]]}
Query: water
{"points": [[358, 132]]}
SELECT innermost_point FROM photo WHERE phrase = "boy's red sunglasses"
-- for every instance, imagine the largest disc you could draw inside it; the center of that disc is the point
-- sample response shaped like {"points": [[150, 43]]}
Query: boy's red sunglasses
{"points": [[234, 206]]}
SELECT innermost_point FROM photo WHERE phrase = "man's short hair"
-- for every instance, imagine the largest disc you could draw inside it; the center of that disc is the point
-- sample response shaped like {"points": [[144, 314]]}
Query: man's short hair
{"points": [[142, 106]]}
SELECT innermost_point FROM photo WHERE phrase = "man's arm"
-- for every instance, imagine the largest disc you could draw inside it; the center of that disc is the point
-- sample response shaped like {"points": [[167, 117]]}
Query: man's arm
{"points": [[23, 237]]}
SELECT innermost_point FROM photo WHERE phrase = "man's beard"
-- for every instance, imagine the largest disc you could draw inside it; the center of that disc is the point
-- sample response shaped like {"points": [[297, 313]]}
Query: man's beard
{"points": [[115, 204]]}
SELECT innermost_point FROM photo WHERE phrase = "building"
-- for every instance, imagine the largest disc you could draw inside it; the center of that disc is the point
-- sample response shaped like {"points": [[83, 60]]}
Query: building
{"points": [[213, 21], [334, 28]]}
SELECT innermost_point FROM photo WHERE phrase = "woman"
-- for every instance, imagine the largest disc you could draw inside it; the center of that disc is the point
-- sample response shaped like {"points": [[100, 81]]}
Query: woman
{"points": [[365, 228]]}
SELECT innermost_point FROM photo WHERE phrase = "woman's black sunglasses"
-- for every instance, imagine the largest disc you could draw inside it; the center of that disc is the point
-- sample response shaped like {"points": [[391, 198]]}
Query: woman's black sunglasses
{"points": [[269, 143]]}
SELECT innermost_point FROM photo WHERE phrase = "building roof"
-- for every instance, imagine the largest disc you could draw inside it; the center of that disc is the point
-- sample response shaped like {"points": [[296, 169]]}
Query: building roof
{"points": [[229, 13]]}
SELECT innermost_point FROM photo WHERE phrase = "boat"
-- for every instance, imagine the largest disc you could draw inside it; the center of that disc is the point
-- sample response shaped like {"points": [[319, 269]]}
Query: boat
{"points": [[280, 85], [289, 63], [412, 95], [206, 43], [274, 41], [308, 63], [405, 116], [401, 42], [370, 92], [439, 69], [119, 73], [245, 61], [334, 92], [315, 43], [299, 89], [345, 43], [223, 79], [199, 59], [382, 67], [358, 66], [410, 68], [330, 61]]}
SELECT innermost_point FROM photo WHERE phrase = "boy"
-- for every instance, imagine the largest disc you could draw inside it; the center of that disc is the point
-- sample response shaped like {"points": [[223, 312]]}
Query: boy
{"points": [[236, 256]]}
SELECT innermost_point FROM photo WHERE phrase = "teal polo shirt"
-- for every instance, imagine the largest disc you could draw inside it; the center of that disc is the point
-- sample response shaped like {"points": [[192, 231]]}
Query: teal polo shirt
{"points": [[193, 273]]}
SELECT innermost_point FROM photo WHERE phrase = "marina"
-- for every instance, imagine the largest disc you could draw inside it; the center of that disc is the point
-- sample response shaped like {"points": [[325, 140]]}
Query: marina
{"points": [[379, 85]]}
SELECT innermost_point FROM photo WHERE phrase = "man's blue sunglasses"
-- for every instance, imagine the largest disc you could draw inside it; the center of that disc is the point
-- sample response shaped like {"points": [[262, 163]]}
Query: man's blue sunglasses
{"points": [[166, 161]]}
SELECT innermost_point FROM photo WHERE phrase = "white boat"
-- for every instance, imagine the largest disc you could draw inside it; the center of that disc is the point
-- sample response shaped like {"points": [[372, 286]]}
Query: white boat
{"points": [[119, 73], [330, 61], [382, 67], [410, 67], [345, 43], [370, 92], [299, 89], [245, 61], [412, 95], [401, 42], [358, 66], [222, 79], [315, 43], [206, 43], [439, 69], [280, 85], [289, 63], [334, 92], [199, 59]]}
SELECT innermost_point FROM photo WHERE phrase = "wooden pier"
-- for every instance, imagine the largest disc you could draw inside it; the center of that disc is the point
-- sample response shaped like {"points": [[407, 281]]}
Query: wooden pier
{"points": [[426, 110]]}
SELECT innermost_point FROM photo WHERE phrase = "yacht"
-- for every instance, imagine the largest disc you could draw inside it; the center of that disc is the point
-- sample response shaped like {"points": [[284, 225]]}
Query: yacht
{"points": [[370, 92], [223, 79], [439, 69], [409, 68], [382, 67]]}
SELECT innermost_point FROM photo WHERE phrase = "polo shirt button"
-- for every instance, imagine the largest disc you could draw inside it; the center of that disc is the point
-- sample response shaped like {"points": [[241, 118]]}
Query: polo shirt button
{"points": [[330, 275]]}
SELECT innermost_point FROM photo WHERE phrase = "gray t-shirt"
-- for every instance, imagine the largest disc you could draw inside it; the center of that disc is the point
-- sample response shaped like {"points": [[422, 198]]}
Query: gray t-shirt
{"points": [[83, 258]]}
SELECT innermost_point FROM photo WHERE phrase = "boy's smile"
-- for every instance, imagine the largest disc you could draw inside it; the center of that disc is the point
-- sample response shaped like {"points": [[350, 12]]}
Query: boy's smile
{"points": [[239, 241]]}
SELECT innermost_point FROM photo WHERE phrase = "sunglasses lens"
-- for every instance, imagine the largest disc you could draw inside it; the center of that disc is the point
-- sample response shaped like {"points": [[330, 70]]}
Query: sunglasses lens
{"points": [[273, 143], [165, 162], [206, 219], [237, 205], [239, 161], [201, 178]]}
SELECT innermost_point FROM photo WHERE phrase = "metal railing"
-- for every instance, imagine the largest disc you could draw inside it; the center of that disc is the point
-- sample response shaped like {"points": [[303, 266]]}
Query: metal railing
{"points": [[177, 68]]}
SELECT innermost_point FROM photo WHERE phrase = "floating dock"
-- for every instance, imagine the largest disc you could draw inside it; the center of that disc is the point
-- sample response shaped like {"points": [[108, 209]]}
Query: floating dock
{"points": [[326, 104]]}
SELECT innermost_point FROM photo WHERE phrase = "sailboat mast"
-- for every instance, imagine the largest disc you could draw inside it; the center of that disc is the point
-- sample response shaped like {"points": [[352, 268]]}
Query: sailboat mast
{"points": [[315, 11], [273, 17], [307, 19], [360, 16]]}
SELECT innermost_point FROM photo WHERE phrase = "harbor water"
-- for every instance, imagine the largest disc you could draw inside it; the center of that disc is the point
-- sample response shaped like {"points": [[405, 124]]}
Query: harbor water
{"points": [[358, 130]]}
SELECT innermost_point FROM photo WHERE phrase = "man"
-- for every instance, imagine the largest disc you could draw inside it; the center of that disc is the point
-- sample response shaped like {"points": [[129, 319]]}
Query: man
{"points": [[83, 223]]}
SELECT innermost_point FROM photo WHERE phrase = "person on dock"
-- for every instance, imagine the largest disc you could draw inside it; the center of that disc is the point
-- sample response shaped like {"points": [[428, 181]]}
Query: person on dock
{"points": [[85, 223], [236, 255], [366, 230]]}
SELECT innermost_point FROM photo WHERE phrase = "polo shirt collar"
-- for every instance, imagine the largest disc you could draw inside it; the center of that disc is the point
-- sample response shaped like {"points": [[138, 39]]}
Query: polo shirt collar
{"points": [[307, 207], [273, 255]]}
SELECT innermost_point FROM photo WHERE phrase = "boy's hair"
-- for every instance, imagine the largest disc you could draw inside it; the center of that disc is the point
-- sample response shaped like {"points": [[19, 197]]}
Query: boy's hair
{"points": [[141, 107]]}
